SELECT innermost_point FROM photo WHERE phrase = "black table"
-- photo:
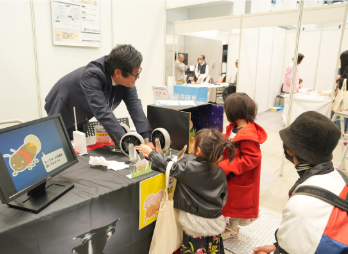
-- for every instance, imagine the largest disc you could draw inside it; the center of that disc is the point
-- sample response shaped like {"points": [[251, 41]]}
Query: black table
{"points": [[101, 196]]}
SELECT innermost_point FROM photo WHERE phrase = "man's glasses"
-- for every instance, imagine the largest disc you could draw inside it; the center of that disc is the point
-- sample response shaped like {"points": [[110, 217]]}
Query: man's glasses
{"points": [[135, 76]]}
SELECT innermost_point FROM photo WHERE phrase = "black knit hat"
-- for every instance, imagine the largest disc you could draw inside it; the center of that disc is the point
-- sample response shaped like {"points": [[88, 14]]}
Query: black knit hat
{"points": [[312, 137]]}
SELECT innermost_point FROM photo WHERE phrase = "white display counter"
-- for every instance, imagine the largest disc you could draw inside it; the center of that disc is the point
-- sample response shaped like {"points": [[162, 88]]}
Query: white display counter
{"points": [[303, 103], [204, 92]]}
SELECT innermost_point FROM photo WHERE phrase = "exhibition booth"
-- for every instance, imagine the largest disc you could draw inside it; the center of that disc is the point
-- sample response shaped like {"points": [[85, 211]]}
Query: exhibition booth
{"points": [[264, 47], [106, 200], [267, 48]]}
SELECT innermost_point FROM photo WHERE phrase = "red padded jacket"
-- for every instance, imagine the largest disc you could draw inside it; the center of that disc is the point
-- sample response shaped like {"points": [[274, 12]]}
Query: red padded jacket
{"points": [[243, 173]]}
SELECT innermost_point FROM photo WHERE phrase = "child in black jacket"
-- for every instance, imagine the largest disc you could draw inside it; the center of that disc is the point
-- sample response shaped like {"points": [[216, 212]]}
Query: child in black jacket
{"points": [[201, 191]]}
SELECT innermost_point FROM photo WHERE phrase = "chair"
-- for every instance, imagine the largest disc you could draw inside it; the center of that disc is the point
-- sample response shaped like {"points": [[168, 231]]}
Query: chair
{"points": [[219, 95], [279, 98], [228, 90]]}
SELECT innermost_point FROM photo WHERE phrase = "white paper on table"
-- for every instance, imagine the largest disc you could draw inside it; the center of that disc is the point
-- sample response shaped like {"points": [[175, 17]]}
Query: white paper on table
{"points": [[167, 102], [187, 103], [100, 161], [115, 165]]}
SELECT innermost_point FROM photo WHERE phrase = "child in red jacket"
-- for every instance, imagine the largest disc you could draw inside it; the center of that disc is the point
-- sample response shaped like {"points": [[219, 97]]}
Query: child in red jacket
{"points": [[243, 173]]}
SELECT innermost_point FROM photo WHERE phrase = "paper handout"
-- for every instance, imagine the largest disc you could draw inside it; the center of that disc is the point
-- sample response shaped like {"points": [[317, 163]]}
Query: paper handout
{"points": [[100, 161]]}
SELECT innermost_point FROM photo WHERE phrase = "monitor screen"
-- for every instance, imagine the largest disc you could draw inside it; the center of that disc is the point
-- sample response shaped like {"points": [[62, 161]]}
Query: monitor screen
{"points": [[31, 152]]}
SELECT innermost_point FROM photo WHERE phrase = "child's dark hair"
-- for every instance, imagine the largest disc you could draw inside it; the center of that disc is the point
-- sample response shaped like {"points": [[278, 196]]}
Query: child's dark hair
{"points": [[212, 144], [240, 106]]}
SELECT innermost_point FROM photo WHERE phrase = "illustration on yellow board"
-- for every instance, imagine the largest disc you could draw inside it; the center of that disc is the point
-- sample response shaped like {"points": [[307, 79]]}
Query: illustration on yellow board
{"points": [[25, 156], [151, 195], [152, 204]]}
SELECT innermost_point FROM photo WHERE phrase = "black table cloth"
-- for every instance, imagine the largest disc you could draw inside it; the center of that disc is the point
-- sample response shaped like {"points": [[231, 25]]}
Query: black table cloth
{"points": [[99, 215]]}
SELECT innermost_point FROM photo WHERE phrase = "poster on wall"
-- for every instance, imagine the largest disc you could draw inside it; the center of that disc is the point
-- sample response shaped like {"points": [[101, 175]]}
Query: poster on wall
{"points": [[76, 23], [151, 194]]}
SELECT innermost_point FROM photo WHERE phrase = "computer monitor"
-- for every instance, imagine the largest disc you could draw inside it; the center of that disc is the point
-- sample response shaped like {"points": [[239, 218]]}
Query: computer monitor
{"points": [[30, 155]]}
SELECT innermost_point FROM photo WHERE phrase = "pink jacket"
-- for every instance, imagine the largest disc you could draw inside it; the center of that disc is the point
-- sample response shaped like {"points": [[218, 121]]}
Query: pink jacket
{"points": [[287, 81]]}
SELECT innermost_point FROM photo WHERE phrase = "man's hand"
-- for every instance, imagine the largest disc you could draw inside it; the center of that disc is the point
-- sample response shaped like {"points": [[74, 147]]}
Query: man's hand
{"points": [[144, 149], [150, 144], [267, 249]]}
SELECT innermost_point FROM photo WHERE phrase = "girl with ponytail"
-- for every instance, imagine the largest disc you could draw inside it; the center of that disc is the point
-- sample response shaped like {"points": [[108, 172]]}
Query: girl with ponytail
{"points": [[243, 173], [201, 190]]}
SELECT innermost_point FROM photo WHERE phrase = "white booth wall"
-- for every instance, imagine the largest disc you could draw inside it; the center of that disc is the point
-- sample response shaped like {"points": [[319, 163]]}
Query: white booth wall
{"points": [[195, 46], [320, 48], [18, 84], [144, 29], [266, 53], [258, 6], [232, 56], [260, 63], [211, 49]]}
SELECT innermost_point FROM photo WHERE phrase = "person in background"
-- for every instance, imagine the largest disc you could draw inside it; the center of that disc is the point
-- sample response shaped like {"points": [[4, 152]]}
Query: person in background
{"points": [[310, 224], [236, 77], [344, 69], [196, 66], [300, 83], [195, 70], [343, 74], [202, 67], [243, 173], [288, 75], [201, 191], [180, 69]]}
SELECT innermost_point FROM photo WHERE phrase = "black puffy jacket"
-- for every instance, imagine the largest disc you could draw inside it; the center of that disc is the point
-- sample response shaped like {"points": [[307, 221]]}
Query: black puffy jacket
{"points": [[198, 191]]}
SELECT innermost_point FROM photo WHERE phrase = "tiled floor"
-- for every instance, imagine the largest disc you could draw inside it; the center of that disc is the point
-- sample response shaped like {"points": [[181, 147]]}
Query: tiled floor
{"points": [[259, 233]]}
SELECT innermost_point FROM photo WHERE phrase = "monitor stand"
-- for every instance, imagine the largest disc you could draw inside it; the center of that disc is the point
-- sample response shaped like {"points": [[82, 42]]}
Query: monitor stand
{"points": [[41, 196]]}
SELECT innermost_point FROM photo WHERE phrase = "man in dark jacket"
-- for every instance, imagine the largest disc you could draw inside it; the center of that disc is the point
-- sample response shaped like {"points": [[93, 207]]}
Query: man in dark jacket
{"points": [[97, 89]]}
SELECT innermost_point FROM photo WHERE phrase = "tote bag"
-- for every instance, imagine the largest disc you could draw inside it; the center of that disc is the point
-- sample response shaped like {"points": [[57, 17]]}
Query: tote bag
{"points": [[341, 100], [168, 234]]}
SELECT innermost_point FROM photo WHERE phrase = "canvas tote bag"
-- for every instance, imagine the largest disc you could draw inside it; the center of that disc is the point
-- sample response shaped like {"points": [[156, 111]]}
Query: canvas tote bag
{"points": [[341, 100], [168, 234]]}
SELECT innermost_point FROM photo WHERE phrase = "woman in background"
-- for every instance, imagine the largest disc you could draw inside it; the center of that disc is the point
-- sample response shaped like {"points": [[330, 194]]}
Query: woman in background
{"points": [[344, 69], [288, 75]]}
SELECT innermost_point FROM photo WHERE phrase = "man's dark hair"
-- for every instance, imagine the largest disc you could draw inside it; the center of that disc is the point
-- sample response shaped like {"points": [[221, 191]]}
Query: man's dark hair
{"points": [[240, 106], [203, 57], [124, 57]]}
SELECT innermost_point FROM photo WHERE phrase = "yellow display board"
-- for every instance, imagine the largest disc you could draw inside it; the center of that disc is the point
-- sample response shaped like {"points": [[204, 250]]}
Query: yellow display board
{"points": [[151, 193]]}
